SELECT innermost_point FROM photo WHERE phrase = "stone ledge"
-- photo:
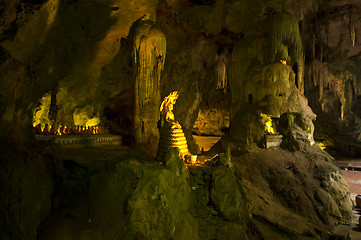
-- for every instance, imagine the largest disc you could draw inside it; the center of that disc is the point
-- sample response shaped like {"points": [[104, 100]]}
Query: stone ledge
{"points": [[79, 139], [273, 140]]}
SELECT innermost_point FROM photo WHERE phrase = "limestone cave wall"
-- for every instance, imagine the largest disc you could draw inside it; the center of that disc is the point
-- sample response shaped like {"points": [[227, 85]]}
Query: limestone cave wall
{"points": [[332, 82]]}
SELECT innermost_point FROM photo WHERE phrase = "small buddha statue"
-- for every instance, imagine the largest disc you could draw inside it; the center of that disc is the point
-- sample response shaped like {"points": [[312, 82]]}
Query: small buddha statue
{"points": [[65, 130], [52, 130], [60, 130], [46, 129], [76, 130], [171, 132]]}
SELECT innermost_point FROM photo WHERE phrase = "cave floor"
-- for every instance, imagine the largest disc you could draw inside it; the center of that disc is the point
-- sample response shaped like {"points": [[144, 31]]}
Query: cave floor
{"points": [[75, 163], [73, 221], [70, 224], [351, 173], [91, 154]]}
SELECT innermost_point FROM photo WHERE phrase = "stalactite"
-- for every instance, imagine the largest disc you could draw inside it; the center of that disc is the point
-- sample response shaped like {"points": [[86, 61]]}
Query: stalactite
{"points": [[282, 29], [347, 90], [319, 39], [221, 73], [240, 59], [53, 111], [326, 22], [334, 91], [352, 28]]}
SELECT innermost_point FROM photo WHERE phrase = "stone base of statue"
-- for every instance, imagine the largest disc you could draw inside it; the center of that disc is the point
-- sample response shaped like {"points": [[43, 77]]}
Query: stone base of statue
{"points": [[273, 140], [172, 136]]}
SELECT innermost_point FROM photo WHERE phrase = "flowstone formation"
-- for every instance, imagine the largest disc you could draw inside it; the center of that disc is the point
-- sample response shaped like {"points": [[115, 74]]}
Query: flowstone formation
{"points": [[276, 86]]}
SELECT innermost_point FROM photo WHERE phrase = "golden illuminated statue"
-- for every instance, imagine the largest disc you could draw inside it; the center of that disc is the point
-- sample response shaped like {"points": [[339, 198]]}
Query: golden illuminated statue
{"points": [[171, 132], [166, 109], [268, 123]]}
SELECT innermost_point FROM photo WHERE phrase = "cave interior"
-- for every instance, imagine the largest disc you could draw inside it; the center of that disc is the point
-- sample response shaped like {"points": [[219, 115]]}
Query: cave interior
{"points": [[178, 119]]}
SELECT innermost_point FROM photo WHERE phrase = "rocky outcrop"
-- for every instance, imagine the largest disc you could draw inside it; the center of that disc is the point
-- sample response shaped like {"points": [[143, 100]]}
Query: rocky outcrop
{"points": [[142, 199], [211, 122], [300, 194], [26, 188]]}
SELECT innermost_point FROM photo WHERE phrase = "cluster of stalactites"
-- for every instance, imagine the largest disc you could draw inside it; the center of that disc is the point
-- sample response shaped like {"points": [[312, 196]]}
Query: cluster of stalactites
{"points": [[276, 49], [280, 31], [342, 85], [72, 130]]}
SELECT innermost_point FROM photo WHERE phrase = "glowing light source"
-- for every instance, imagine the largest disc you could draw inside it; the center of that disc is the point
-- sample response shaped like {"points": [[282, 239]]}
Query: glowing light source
{"points": [[267, 120], [321, 145], [284, 62], [81, 117], [193, 159], [41, 113]]}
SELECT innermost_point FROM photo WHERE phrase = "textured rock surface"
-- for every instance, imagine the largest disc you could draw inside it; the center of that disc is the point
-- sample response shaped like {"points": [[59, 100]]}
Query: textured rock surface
{"points": [[147, 200], [211, 122], [226, 195], [26, 188], [143, 201], [149, 44], [299, 194]]}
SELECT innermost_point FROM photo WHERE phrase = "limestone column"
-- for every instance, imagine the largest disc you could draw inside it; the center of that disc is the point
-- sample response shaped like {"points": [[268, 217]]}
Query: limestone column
{"points": [[149, 50]]}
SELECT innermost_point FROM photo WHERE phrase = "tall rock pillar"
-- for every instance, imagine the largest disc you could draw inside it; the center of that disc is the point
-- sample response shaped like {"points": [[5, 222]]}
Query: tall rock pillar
{"points": [[149, 51]]}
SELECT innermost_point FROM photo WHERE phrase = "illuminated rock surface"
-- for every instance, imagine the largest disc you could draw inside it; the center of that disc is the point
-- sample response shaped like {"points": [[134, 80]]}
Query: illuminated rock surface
{"points": [[311, 187], [81, 63]]}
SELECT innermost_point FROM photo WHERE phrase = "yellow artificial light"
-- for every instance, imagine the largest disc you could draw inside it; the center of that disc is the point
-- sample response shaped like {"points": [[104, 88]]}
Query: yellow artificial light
{"points": [[267, 120]]}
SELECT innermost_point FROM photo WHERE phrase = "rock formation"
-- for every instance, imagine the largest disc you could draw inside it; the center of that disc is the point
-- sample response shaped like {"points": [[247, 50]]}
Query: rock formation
{"points": [[149, 45]]}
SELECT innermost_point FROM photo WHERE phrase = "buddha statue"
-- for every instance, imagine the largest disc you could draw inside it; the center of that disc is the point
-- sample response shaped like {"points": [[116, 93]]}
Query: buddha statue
{"points": [[171, 132]]}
